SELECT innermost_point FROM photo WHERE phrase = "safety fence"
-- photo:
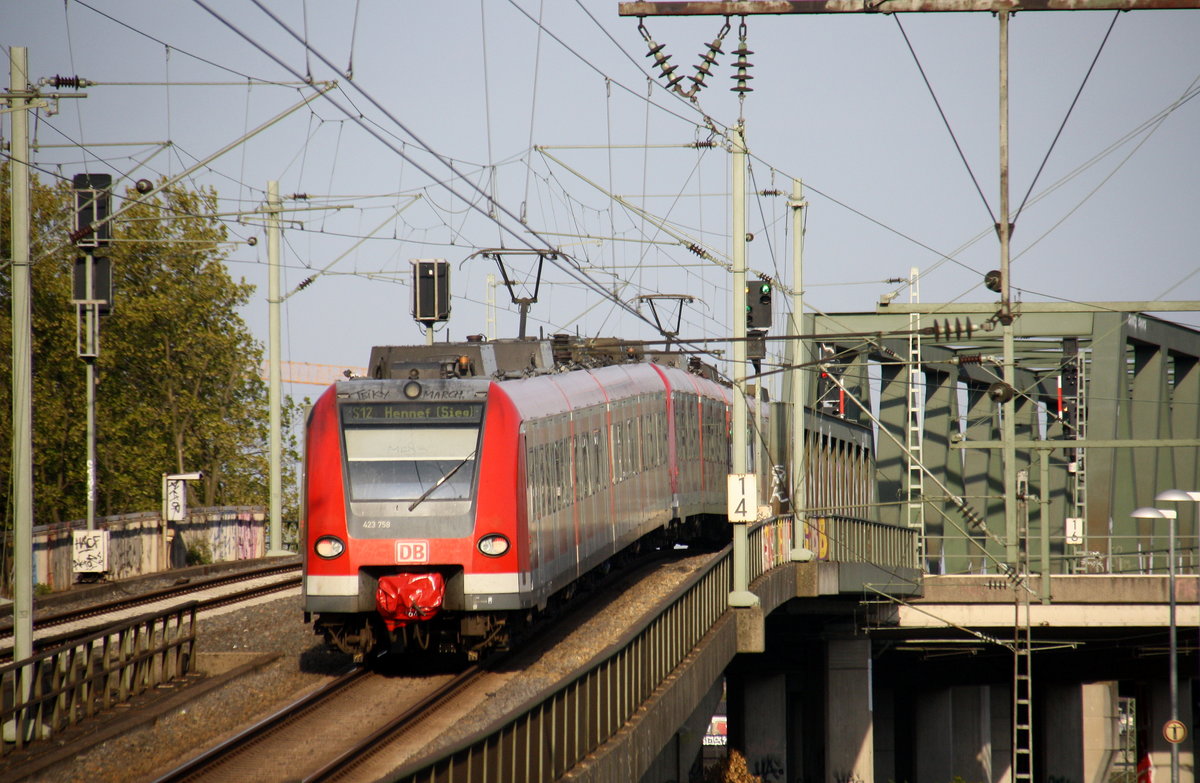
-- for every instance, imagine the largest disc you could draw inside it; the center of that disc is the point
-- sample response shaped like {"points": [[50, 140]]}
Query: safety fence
{"points": [[553, 733], [848, 540], [1112, 555], [55, 689]]}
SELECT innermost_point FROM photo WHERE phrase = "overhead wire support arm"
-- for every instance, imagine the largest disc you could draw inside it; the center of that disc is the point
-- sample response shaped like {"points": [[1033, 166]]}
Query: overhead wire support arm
{"points": [[306, 282], [321, 89], [685, 241]]}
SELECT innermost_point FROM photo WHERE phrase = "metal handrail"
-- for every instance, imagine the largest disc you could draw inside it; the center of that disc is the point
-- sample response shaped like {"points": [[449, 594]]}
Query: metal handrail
{"points": [[56, 688]]}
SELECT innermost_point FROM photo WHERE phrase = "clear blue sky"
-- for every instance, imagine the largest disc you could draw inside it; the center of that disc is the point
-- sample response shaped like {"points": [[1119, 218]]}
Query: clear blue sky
{"points": [[838, 101]]}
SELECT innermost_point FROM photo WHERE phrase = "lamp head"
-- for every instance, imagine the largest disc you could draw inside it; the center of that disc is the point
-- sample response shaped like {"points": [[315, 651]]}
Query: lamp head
{"points": [[1148, 512], [1176, 496]]}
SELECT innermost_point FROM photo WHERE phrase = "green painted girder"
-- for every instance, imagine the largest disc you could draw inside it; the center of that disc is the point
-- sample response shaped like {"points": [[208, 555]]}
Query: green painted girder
{"points": [[1142, 399]]}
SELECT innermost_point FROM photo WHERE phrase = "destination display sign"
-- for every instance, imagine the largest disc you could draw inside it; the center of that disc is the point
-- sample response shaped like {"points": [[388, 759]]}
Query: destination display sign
{"points": [[384, 413]]}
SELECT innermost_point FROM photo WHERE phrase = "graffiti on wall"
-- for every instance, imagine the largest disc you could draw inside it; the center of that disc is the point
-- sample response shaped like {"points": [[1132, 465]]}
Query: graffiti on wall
{"points": [[89, 551]]}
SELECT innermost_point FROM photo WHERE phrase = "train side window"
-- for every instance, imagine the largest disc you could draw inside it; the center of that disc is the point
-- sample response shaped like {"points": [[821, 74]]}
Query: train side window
{"points": [[625, 467], [665, 431], [598, 459], [552, 485], [650, 442], [647, 440], [562, 485], [540, 478], [631, 430], [617, 452], [530, 489], [577, 464], [630, 467], [551, 478], [534, 485], [543, 480]]}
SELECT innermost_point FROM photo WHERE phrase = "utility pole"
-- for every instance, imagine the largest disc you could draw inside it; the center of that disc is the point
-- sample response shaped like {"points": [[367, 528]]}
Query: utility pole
{"points": [[799, 378], [274, 393], [22, 367], [741, 596]]}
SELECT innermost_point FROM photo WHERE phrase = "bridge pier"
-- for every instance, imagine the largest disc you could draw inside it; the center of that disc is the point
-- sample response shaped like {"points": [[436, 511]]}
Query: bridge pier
{"points": [[1083, 742], [761, 729], [809, 709], [849, 722], [961, 731]]}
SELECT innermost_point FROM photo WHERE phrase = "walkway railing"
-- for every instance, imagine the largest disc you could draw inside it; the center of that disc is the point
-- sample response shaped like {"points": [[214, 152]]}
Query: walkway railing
{"points": [[57, 688], [1114, 555], [849, 540]]}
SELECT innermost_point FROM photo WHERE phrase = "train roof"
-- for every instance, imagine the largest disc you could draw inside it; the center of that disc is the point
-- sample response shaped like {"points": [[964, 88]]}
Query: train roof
{"points": [[514, 358], [561, 392]]}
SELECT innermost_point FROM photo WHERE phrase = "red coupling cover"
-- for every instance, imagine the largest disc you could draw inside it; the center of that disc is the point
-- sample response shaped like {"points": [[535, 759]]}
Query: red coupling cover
{"points": [[406, 598]]}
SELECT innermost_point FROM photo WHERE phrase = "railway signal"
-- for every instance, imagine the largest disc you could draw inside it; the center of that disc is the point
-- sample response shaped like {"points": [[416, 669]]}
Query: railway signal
{"points": [[758, 304], [431, 290]]}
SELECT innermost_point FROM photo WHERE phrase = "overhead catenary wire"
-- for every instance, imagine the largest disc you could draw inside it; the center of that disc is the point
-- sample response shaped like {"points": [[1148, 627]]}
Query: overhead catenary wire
{"points": [[570, 268], [610, 36], [1070, 109], [945, 119]]}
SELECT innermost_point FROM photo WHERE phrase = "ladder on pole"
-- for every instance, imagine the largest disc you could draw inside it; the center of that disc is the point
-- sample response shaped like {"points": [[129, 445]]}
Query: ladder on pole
{"points": [[1080, 500], [1022, 683], [915, 484]]}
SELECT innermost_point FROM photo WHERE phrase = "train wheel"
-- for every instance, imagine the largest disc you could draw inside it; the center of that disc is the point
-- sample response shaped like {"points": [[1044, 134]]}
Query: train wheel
{"points": [[354, 635]]}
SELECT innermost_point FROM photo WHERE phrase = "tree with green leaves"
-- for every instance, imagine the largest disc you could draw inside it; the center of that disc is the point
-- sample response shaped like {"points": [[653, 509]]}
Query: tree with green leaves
{"points": [[178, 373]]}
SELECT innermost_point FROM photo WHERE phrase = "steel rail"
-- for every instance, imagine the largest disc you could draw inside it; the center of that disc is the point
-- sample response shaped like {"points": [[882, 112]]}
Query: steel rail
{"points": [[347, 761], [98, 610], [222, 752], [51, 619]]}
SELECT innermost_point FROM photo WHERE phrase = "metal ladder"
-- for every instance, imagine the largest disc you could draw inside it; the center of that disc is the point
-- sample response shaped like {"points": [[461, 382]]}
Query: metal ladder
{"points": [[1080, 500], [1022, 695], [1022, 683], [915, 485]]}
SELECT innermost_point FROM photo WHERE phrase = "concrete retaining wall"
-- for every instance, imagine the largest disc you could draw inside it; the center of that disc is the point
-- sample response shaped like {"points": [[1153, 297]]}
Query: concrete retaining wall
{"points": [[136, 543]]}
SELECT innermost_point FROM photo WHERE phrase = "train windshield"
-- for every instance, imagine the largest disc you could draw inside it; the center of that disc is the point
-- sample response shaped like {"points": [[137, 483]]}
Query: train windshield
{"points": [[406, 463]]}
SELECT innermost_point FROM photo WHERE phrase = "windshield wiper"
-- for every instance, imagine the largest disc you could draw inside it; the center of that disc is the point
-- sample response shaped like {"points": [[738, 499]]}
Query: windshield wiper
{"points": [[441, 481]]}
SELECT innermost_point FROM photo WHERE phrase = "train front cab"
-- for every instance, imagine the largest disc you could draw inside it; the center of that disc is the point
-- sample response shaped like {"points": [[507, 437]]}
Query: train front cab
{"points": [[391, 489]]}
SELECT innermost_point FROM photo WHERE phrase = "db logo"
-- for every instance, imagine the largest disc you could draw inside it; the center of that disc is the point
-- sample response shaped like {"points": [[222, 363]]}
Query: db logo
{"points": [[412, 551]]}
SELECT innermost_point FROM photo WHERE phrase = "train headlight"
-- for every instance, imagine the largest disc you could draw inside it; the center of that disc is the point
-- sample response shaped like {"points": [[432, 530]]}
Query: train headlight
{"points": [[329, 547], [493, 545], [412, 390]]}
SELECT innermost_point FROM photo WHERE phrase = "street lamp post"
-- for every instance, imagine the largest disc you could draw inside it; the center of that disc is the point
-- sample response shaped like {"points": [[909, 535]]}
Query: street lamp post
{"points": [[1147, 512]]}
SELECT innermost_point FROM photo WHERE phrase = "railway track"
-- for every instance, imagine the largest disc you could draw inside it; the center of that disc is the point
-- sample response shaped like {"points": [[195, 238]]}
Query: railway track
{"points": [[342, 714], [371, 721], [45, 621]]}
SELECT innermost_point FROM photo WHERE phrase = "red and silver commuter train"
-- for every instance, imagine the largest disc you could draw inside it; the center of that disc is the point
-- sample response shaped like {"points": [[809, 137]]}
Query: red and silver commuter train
{"points": [[454, 494]]}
